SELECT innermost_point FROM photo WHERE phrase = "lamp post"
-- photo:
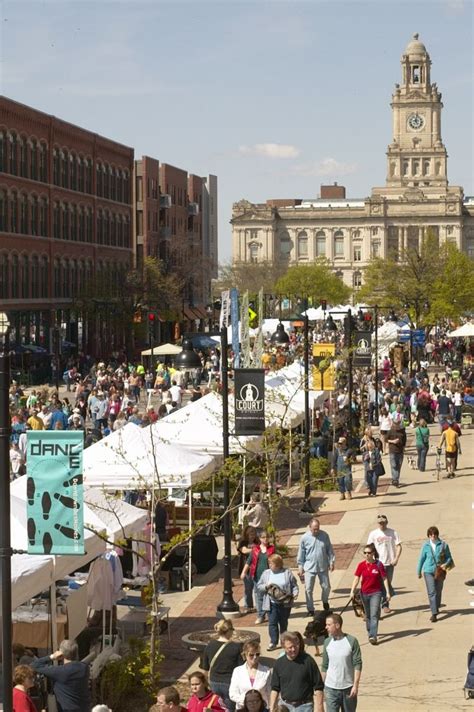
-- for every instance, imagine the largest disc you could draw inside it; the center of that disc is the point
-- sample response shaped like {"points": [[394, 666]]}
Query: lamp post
{"points": [[227, 605], [5, 543], [307, 506]]}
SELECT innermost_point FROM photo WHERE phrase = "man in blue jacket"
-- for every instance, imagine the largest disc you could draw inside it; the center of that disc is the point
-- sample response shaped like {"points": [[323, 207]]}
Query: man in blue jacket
{"points": [[315, 558], [70, 681]]}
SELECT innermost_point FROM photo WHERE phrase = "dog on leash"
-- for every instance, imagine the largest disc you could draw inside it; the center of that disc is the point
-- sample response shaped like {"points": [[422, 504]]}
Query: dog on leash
{"points": [[358, 606], [317, 628], [411, 462]]}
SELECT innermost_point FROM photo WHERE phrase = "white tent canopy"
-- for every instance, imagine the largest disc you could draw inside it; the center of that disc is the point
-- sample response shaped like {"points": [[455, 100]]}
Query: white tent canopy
{"points": [[30, 575], [287, 386], [163, 350], [198, 426], [140, 457], [318, 314], [464, 330]]}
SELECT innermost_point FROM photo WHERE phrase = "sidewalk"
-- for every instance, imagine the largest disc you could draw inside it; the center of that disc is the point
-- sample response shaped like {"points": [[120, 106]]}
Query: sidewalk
{"points": [[418, 665]]}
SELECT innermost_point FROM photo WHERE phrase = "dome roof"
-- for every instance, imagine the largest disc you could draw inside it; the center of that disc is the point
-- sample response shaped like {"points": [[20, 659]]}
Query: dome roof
{"points": [[415, 48]]}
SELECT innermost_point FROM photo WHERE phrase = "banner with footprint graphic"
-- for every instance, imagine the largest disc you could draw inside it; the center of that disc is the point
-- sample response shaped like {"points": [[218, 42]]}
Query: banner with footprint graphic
{"points": [[54, 491]]}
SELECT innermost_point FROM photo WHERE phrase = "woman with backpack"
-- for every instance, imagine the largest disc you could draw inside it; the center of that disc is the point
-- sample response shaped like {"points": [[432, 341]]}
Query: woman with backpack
{"points": [[280, 589], [422, 435], [372, 575]]}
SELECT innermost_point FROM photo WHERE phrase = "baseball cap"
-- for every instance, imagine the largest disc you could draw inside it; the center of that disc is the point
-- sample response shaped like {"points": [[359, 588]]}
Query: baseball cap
{"points": [[382, 518]]}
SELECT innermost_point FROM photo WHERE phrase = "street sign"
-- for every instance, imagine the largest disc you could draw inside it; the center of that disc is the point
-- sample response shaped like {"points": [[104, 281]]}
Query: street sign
{"points": [[362, 355], [419, 338], [249, 393]]}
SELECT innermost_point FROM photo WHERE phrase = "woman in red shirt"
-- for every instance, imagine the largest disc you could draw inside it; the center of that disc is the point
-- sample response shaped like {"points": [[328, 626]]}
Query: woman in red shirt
{"points": [[23, 679], [374, 578]]}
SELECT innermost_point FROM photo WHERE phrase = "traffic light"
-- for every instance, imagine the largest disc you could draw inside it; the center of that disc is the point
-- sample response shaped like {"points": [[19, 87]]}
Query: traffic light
{"points": [[151, 318], [324, 304]]}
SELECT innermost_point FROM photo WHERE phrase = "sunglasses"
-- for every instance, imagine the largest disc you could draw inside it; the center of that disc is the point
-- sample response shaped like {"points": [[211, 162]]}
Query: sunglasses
{"points": [[253, 655]]}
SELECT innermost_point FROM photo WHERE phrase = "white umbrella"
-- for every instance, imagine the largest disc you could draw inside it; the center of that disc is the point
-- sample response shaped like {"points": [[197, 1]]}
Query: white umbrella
{"points": [[464, 330], [163, 350]]}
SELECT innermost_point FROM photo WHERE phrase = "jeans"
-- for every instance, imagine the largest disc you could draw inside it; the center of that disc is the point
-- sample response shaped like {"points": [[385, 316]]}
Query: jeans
{"points": [[366, 475], [457, 413], [258, 595], [345, 483], [396, 461], [307, 707], [222, 689], [373, 480], [434, 589], [248, 589], [309, 581], [389, 569], [371, 603], [277, 621], [339, 700], [422, 453]]}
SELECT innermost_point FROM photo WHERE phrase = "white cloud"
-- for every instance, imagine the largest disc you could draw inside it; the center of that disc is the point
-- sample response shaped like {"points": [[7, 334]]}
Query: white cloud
{"points": [[325, 167], [270, 150]]}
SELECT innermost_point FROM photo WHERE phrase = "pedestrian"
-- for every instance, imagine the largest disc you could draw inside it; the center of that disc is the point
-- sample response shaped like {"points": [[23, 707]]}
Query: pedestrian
{"points": [[434, 562], [342, 468], [371, 574], [389, 549], [23, 681], [202, 698], [315, 559], [168, 700], [256, 564], [296, 679], [397, 440], [341, 667], [450, 439], [363, 447], [443, 407], [422, 441], [280, 590], [254, 702], [244, 547], [256, 513], [220, 657], [252, 675], [70, 680], [385, 425], [372, 459]]}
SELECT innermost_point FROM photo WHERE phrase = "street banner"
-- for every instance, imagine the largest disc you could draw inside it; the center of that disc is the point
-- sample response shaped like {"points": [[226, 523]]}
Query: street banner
{"points": [[234, 320], [258, 342], [362, 355], [54, 490], [224, 319], [249, 392], [245, 333], [324, 370]]}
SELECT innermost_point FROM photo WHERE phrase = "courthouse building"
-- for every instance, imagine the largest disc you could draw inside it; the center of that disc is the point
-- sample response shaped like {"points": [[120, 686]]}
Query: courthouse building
{"points": [[349, 233]]}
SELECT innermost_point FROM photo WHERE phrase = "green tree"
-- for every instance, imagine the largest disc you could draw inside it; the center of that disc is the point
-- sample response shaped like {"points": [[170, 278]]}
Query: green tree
{"points": [[433, 282], [315, 281]]}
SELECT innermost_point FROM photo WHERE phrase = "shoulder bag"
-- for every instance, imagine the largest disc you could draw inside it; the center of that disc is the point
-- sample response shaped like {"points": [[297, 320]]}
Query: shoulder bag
{"points": [[216, 655]]}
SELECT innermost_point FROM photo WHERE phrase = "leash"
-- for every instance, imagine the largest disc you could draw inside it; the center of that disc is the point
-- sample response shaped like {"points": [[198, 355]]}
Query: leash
{"points": [[348, 602]]}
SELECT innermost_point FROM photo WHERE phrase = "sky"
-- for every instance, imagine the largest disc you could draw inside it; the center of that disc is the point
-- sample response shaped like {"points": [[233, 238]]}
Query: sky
{"points": [[274, 97]]}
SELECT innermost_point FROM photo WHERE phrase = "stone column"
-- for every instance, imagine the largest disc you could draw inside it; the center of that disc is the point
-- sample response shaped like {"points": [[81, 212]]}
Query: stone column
{"points": [[330, 244]]}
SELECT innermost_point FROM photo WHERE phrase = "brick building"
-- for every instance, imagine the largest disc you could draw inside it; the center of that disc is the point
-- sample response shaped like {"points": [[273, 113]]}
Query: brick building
{"points": [[65, 218]]}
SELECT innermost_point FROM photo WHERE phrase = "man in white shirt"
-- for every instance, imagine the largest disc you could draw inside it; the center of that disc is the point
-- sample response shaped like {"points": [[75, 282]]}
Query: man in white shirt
{"points": [[176, 393], [389, 548], [341, 668]]}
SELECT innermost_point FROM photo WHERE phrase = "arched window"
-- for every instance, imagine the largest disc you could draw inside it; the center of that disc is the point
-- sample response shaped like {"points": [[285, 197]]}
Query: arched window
{"points": [[23, 156], [43, 163], [73, 278], [80, 174], [44, 277], [65, 280], [100, 227], [72, 171], [3, 151], [120, 231], [35, 277], [89, 230], [120, 186], [338, 243], [98, 180], [4, 276], [13, 158], [88, 175], [34, 215], [357, 280], [25, 276], [43, 217], [3, 210], [14, 277], [253, 251], [126, 232], [126, 187], [285, 245], [107, 173], [23, 214], [33, 159], [66, 223], [81, 226], [64, 169], [321, 244], [56, 166], [74, 234], [14, 211], [57, 278], [106, 228], [113, 231], [303, 245], [80, 276]]}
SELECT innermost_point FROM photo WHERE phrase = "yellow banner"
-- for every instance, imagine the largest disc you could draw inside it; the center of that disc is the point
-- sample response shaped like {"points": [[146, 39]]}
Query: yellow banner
{"points": [[324, 371]]}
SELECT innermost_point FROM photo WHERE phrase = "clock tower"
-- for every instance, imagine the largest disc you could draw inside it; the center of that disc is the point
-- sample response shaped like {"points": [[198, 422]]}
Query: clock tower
{"points": [[416, 157]]}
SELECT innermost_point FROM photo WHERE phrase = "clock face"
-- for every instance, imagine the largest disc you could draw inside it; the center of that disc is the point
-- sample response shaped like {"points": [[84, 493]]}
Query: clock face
{"points": [[416, 122]]}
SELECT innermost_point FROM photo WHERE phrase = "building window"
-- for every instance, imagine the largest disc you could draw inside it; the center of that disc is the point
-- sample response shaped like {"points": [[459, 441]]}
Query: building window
{"points": [[107, 228], [126, 187], [80, 174], [56, 221], [413, 238], [81, 224], [303, 245], [64, 169], [35, 277], [357, 280], [285, 245], [375, 250], [3, 210], [23, 214], [23, 157], [100, 227], [43, 217], [74, 222], [253, 250], [357, 253], [73, 171], [3, 152], [24, 277], [33, 160], [13, 153], [14, 277], [416, 74], [65, 281], [4, 276], [44, 277], [43, 173], [338, 244], [34, 216], [106, 170], [66, 222], [56, 164], [89, 230], [88, 175], [139, 222], [98, 180], [14, 212]]}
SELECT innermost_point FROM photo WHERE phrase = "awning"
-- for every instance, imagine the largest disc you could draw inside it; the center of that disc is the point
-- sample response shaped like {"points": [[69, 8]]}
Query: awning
{"points": [[189, 314], [201, 312]]}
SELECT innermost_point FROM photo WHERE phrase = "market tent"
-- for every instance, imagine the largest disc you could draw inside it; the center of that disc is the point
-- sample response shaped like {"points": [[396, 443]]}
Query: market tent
{"points": [[135, 457], [287, 385], [163, 350], [30, 575], [198, 426], [121, 519], [318, 314], [464, 330]]}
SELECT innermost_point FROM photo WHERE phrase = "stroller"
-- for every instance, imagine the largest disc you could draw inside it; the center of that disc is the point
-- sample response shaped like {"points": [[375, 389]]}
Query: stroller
{"points": [[469, 684]]}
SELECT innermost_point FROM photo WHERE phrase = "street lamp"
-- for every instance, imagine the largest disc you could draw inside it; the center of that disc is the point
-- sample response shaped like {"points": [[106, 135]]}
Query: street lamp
{"points": [[5, 543], [280, 337], [188, 358]]}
